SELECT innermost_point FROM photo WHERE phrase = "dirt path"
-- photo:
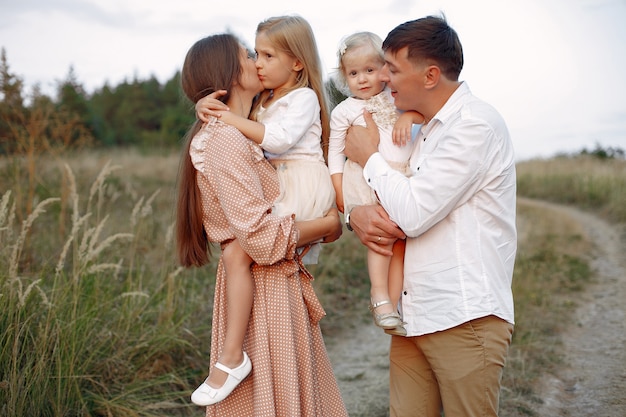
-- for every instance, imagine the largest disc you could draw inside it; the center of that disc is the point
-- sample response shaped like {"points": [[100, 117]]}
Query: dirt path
{"points": [[591, 383], [360, 359]]}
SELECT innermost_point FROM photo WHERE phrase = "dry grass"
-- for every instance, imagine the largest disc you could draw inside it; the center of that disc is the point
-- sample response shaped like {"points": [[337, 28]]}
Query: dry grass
{"points": [[552, 265], [583, 181], [97, 318], [92, 323], [550, 269]]}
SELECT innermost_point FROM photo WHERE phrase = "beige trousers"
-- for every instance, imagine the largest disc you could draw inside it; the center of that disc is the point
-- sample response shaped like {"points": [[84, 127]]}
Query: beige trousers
{"points": [[458, 370]]}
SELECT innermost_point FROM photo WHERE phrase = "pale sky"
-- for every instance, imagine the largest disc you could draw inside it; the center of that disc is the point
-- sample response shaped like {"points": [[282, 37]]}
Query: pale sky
{"points": [[553, 68]]}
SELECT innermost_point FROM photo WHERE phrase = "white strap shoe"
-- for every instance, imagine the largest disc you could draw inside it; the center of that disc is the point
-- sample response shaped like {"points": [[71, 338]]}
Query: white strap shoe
{"points": [[206, 395]]}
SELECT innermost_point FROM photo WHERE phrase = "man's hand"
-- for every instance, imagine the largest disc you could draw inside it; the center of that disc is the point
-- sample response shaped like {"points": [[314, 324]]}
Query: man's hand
{"points": [[374, 228], [362, 142]]}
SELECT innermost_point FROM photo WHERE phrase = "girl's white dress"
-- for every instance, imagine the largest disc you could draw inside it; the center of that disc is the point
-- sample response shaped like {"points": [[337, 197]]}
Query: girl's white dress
{"points": [[293, 129], [348, 113]]}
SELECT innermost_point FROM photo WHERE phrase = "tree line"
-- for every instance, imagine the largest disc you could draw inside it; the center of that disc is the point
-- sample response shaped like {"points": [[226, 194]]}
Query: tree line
{"points": [[132, 113], [142, 113]]}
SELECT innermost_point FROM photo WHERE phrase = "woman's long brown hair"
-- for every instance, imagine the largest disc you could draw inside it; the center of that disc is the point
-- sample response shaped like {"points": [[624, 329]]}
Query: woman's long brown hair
{"points": [[211, 64]]}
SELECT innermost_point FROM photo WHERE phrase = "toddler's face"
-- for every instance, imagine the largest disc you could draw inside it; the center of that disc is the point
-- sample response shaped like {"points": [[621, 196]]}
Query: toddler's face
{"points": [[362, 74]]}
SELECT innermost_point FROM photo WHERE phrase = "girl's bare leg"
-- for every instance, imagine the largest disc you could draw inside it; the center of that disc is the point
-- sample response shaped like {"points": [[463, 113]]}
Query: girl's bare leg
{"points": [[239, 295], [396, 271], [385, 312]]}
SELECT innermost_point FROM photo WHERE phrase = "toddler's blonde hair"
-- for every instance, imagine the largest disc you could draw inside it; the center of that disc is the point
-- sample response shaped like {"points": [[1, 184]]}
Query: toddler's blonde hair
{"points": [[373, 44]]}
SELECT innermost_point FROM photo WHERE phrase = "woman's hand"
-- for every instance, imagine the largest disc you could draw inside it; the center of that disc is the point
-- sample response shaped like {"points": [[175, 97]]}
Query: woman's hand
{"points": [[326, 229], [336, 228], [210, 106], [374, 228]]}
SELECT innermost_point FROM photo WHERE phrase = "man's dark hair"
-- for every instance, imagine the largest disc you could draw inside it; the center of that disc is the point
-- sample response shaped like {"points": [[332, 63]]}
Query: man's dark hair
{"points": [[429, 39]]}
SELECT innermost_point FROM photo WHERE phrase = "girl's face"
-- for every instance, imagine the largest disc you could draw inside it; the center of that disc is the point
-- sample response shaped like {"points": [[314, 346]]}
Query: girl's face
{"points": [[362, 70], [276, 69], [249, 79]]}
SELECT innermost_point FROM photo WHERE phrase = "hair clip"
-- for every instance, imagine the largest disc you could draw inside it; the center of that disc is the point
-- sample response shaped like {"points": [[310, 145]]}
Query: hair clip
{"points": [[342, 48]]}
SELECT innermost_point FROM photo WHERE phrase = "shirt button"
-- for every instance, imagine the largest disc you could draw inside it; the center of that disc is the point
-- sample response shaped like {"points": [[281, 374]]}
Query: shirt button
{"points": [[405, 293], [424, 139]]}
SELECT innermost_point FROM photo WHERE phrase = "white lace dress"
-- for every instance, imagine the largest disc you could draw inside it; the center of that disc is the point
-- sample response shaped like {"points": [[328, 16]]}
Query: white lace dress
{"points": [[348, 113]]}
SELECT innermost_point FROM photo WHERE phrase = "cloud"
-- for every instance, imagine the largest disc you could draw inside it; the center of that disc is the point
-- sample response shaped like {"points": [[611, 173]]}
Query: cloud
{"points": [[553, 69], [73, 9]]}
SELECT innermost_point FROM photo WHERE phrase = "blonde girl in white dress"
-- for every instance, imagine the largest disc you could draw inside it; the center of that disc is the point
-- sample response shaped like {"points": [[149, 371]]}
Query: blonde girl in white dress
{"points": [[361, 58]]}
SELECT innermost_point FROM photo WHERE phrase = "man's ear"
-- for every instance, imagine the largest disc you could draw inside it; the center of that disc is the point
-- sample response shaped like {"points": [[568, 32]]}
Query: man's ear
{"points": [[431, 76]]}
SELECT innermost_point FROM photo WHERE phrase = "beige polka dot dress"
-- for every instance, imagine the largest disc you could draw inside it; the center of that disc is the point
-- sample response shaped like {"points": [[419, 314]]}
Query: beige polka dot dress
{"points": [[291, 373]]}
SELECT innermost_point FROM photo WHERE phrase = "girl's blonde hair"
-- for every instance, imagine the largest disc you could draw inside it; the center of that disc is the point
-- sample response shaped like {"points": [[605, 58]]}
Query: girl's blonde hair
{"points": [[293, 35], [357, 40]]}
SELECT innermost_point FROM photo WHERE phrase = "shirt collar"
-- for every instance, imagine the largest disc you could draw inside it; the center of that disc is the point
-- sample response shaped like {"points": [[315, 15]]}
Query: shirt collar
{"points": [[451, 106]]}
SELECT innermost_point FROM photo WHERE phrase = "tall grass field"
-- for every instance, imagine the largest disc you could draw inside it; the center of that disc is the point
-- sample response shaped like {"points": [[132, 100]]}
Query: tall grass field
{"points": [[97, 318]]}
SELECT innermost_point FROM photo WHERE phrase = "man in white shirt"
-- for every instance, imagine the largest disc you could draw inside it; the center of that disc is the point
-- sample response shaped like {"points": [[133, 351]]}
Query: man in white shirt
{"points": [[457, 212]]}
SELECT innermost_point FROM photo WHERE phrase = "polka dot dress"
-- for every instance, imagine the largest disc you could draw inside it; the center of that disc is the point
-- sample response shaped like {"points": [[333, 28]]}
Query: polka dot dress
{"points": [[291, 373]]}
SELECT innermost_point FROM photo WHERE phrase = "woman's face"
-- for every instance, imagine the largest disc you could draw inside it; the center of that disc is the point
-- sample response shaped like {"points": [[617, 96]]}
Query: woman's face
{"points": [[249, 79]]}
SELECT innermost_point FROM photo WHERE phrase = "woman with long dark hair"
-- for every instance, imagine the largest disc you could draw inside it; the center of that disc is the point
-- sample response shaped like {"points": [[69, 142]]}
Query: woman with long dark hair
{"points": [[226, 193]]}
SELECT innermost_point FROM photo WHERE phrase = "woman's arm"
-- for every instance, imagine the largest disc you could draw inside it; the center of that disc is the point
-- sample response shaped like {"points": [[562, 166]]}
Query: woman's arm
{"points": [[240, 198], [328, 229]]}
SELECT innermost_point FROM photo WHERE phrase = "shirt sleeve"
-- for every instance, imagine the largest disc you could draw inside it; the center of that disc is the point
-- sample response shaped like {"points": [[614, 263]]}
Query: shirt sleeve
{"points": [[300, 109], [233, 167], [337, 141], [442, 179]]}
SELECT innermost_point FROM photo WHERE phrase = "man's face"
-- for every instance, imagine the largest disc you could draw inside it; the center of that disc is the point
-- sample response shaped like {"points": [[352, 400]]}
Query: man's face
{"points": [[405, 79]]}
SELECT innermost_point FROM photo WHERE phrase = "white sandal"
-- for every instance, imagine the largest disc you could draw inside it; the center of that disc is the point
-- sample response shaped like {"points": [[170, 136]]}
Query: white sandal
{"points": [[385, 320]]}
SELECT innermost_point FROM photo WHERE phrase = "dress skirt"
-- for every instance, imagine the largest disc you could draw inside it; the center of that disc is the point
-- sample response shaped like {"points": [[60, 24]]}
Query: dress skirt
{"points": [[291, 372], [356, 192], [306, 190]]}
